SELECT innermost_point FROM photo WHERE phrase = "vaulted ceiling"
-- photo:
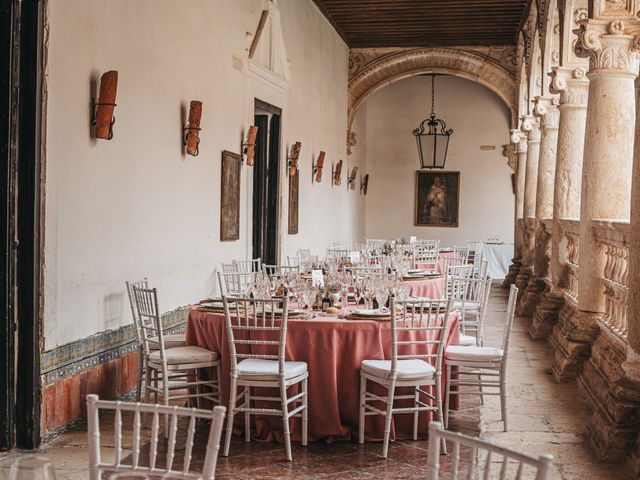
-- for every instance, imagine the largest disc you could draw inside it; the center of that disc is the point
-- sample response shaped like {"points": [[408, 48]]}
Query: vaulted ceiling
{"points": [[425, 23]]}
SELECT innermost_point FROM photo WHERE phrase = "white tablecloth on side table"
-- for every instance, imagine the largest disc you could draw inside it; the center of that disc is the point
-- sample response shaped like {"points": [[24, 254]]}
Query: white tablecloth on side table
{"points": [[499, 257]]}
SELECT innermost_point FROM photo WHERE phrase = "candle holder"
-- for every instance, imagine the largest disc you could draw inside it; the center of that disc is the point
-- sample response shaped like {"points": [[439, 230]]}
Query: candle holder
{"points": [[336, 173], [249, 146], [191, 131], [294, 154], [351, 182], [102, 118], [364, 184], [316, 172]]}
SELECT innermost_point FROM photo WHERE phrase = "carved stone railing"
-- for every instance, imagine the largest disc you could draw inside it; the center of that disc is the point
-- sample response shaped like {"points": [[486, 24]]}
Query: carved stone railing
{"points": [[613, 238], [571, 239]]}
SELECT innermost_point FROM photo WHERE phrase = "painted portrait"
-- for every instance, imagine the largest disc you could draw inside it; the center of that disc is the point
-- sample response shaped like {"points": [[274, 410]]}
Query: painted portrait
{"points": [[437, 198]]}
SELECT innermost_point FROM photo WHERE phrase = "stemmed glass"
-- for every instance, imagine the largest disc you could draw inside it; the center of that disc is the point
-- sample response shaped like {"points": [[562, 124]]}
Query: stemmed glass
{"points": [[27, 468]]}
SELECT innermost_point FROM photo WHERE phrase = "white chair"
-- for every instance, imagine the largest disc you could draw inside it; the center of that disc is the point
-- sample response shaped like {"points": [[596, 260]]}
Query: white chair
{"points": [[488, 366], [280, 271], [461, 252], [426, 258], [170, 341], [470, 298], [236, 284], [230, 267], [169, 369], [422, 328], [338, 252], [295, 261], [253, 328], [428, 244], [455, 271], [248, 266], [147, 466], [474, 458], [304, 252]]}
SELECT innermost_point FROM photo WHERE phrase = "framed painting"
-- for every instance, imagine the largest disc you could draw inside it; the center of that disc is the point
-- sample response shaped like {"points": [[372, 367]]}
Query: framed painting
{"points": [[230, 196], [437, 198], [294, 183]]}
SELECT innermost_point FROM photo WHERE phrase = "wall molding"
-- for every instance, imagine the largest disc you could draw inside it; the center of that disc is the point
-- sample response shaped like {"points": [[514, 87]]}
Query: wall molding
{"points": [[75, 357]]}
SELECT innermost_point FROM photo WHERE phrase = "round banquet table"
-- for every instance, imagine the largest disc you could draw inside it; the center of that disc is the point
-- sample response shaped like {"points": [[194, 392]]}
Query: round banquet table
{"points": [[333, 349], [426, 287]]}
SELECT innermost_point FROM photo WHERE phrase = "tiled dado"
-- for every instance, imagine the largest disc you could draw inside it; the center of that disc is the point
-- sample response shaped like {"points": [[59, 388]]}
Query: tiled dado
{"points": [[104, 364]]}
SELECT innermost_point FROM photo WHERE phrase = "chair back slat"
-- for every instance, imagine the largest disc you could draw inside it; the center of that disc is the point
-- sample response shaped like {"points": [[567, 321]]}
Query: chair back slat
{"points": [[426, 258], [304, 252], [236, 284], [509, 315], [171, 445], [153, 450], [256, 328], [144, 283], [146, 300], [138, 464], [247, 266], [485, 460], [191, 432], [230, 267], [117, 434], [280, 271]]}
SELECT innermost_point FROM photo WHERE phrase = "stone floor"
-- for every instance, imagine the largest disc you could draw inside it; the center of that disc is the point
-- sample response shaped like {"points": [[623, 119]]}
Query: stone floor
{"points": [[544, 417]]}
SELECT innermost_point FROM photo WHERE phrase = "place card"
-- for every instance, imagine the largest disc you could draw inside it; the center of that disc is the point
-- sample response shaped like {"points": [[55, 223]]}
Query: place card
{"points": [[412, 240], [354, 257], [317, 278]]}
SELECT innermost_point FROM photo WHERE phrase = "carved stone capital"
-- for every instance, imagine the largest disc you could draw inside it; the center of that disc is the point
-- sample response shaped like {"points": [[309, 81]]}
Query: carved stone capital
{"points": [[531, 126], [352, 140], [572, 84], [519, 139], [546, 109], [610, 45], [510, 151]]}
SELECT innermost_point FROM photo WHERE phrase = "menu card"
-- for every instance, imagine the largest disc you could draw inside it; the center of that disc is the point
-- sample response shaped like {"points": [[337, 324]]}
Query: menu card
{"points": [[317, 278]]}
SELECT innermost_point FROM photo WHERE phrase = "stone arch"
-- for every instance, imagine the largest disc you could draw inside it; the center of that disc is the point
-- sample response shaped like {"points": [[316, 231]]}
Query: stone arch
{"points": [[397, 65]]}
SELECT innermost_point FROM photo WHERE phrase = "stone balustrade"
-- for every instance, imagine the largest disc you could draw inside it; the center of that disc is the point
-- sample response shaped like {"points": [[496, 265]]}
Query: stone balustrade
{"points": [[571, 237], [613, 238]]}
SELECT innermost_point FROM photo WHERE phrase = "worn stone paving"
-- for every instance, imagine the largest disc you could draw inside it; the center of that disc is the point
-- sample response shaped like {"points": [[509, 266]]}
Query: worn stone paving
{"points": [[544, 417]]}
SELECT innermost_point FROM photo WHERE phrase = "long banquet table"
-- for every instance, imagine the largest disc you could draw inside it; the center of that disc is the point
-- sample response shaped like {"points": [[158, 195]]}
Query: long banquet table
{"points": [[333, 349]]}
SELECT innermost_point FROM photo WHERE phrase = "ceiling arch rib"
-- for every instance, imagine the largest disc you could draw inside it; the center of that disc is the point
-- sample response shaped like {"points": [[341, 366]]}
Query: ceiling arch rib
{"points": [[394, 66]]}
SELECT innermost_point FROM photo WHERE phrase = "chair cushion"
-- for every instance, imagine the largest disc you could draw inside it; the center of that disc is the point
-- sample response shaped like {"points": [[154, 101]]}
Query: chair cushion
{"points": [[406, 369], [467, 341], [261, 369], [473, 354], [468, 305], [170, 341], [185, 355]]}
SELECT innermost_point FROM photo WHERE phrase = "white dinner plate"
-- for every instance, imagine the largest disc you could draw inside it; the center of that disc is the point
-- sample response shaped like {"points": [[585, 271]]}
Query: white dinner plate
{"points": [[366, 312]]}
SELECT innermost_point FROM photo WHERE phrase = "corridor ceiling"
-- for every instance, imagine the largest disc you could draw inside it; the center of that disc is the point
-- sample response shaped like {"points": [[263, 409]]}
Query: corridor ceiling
{"points": [[425, 23]]}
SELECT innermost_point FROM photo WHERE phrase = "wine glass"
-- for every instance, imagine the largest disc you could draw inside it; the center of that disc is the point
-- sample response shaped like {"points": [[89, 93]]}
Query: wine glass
{"points": [[29, 467]]}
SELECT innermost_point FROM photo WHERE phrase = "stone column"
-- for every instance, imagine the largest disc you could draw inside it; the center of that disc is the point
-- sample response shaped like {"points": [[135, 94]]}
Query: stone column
{"points": [[519, 143], [531, 127], [546, 112], [573, 87], [606, 175]]}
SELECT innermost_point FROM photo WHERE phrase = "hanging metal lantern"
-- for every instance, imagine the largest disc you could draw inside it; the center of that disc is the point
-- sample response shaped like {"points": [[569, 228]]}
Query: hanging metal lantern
{"points": [[432, 137]]}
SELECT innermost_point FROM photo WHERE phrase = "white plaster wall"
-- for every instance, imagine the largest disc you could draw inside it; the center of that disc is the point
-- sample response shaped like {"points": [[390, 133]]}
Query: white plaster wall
{"points": [[478, 117], [136, 206]]}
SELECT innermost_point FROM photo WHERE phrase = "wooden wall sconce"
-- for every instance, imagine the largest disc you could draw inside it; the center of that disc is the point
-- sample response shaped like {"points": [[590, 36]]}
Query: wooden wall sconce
{"points": [[102, 110], [250, 144], [294, 154], [351, 182], [316, 173], [191, 131], [337, 174], [364, 184]]}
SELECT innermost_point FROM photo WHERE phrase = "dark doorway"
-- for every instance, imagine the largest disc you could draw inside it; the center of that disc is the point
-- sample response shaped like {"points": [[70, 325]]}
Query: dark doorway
{"points": [[265, 182], [20, 184]]}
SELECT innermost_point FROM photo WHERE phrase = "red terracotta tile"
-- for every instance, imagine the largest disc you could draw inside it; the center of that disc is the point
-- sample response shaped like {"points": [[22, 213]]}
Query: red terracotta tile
{"points": [[82, 385], [59, 404], [74, 396], [94, 380], [49, 399], [68, 399]]}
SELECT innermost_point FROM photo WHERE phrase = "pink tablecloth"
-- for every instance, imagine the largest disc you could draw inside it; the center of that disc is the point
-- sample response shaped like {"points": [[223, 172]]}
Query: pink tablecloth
{"points": [[333, 350], [429, 287]]}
